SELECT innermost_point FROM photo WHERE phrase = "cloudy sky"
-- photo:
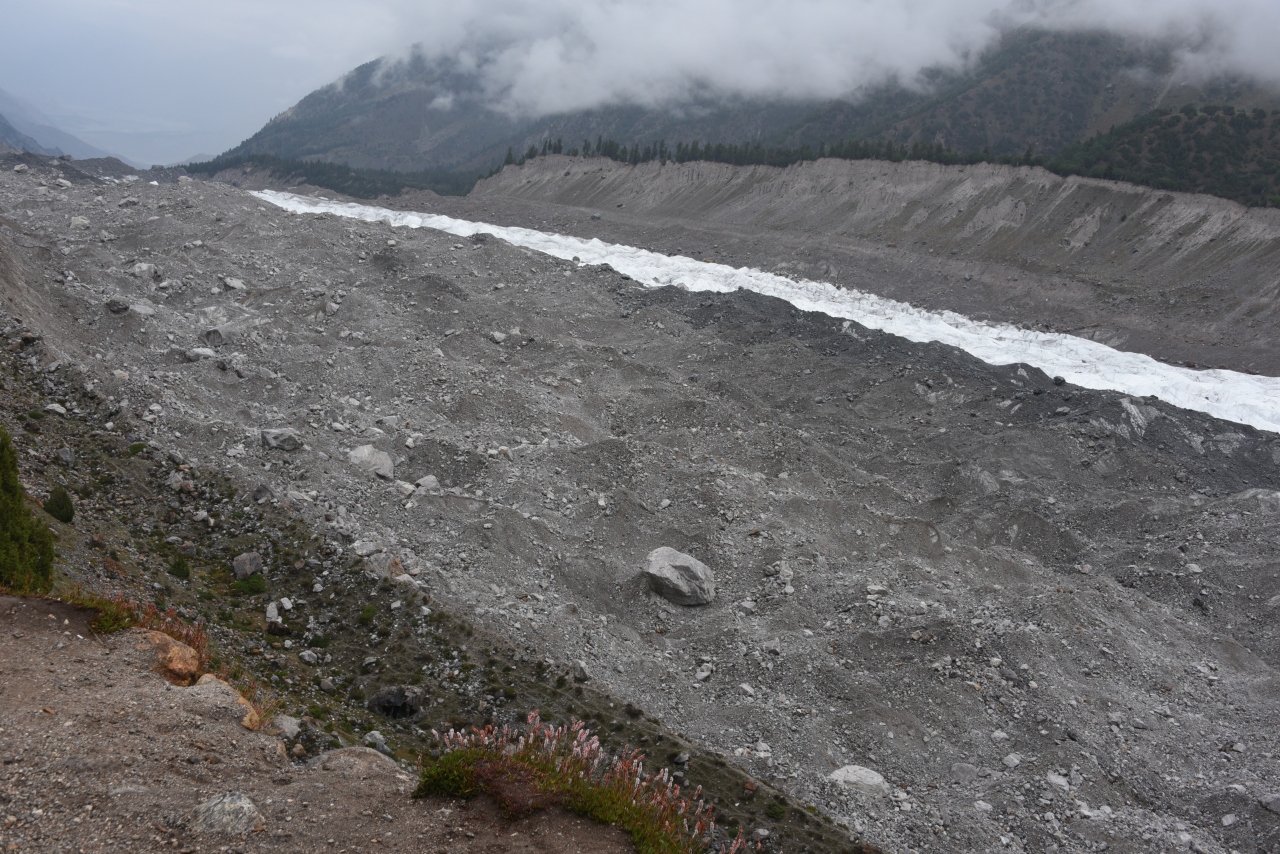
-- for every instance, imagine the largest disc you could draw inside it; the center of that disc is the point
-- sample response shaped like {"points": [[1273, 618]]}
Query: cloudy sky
{"points": [[162, 80]]}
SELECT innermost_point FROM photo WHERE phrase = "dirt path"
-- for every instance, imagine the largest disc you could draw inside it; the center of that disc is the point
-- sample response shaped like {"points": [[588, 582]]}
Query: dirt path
{"points": [[100, 753]]}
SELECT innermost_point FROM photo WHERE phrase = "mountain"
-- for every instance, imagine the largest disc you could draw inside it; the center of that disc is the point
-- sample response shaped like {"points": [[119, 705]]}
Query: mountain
{"points": [[40, 129], [14, 138], [1035, 89]]}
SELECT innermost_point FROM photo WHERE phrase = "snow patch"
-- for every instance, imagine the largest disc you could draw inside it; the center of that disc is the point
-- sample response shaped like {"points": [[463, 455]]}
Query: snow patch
{"points": [[1230, 395]]}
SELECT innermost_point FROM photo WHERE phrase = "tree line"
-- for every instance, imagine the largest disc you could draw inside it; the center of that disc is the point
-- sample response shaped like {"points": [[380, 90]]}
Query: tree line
{"points": [[1212, 149]]}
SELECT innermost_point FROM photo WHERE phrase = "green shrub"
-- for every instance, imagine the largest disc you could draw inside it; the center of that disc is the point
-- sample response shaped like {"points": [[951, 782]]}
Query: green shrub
{"points": [[776, 811], [26, 545], [453, 775], [367, 613], [137, 448], [59, 506], [179, 568], [252, 585]]}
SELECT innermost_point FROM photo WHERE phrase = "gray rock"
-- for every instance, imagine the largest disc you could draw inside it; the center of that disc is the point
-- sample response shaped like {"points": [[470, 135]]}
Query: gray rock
{"points": [[679, 578], [143, 270], [375, 739], [230, 813], [213, 337], [430, 483], [115, 305], [1271, 802], [327, 686], [289, 728], [282, 439], [245, 565], [79, 222], [580, 671], [196, 354], [860, 779], [397, 701], [67, 457], [963, 772], [262, 492], [370, 459], [309, 657]]}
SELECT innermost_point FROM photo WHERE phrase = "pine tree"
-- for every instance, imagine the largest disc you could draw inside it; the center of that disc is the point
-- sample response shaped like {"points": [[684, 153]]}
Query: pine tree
{"points": [[26, 546]]}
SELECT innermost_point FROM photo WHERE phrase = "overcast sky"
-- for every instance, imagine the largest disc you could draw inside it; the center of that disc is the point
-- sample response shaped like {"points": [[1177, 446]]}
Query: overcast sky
{"points": [[161, 80]]}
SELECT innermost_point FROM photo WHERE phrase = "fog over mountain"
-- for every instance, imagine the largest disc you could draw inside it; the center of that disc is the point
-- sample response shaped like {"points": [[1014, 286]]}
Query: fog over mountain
{"points": [[227, 68]]}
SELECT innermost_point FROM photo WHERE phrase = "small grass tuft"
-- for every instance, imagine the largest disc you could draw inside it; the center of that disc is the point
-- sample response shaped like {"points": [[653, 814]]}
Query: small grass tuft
{"points": [[250, 586], [179, 568], [59, 506]]}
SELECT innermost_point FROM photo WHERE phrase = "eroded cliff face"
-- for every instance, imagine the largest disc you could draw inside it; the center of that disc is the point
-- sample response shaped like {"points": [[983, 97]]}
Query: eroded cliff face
{"points": [[1186, 277]]}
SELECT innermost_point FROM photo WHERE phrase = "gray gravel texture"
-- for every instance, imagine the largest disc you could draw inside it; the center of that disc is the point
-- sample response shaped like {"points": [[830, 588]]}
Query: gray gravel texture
{"points": [[1047, 616]]}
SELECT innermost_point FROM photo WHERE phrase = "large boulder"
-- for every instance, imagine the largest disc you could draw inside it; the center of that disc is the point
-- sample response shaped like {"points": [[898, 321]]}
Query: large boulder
{"points": [[231, 813], [372, 460], [245, 565], [860, 779], [283, 439], [679, 578], [398, 701], [174, 660]]}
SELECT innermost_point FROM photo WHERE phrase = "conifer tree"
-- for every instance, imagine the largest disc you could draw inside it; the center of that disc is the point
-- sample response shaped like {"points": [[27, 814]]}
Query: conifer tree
{"points": [[26, 546]]}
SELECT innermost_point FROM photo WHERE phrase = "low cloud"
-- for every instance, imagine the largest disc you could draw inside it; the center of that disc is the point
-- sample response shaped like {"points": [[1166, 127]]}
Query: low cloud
{"points": [[564, 55]]}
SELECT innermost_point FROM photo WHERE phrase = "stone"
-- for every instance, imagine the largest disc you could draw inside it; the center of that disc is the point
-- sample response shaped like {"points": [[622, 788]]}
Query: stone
{"points": [[1012, 760], [704, 672], [21, 167], [273, 613], [262, 493], [232, 813], [286, 727], [115, 305], [963, 772], [309, 657], [383, 566], [79, 222], [375, 739], [327, 686], [581, 673], [213, 337], [860, 779], [174, 660], [197, 354], [142, 309], [1271, 802], [215, 689], [747, 690], [67, 457], [364, 548], [429, 483], [397, 701], [144, 270], [679, 578], [370, 459], [1062, 784], [282, 439], [245, 565], [772, 646]]}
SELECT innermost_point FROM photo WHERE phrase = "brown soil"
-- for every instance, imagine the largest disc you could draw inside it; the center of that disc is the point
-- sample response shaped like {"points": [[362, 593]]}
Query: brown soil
{"points": [[100, 753]]}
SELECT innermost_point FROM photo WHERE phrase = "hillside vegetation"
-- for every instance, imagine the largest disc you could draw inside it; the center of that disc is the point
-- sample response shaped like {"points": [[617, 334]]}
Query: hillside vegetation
{"points": [[1222, 151]]}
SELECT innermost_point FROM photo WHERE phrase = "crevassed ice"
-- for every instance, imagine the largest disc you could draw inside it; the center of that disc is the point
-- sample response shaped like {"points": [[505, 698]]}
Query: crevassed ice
{"points": [[1230, 395]]}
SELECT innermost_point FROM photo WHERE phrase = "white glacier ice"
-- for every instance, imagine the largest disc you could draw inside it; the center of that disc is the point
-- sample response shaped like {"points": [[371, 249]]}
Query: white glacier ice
{"points": [[1230, 395]]}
